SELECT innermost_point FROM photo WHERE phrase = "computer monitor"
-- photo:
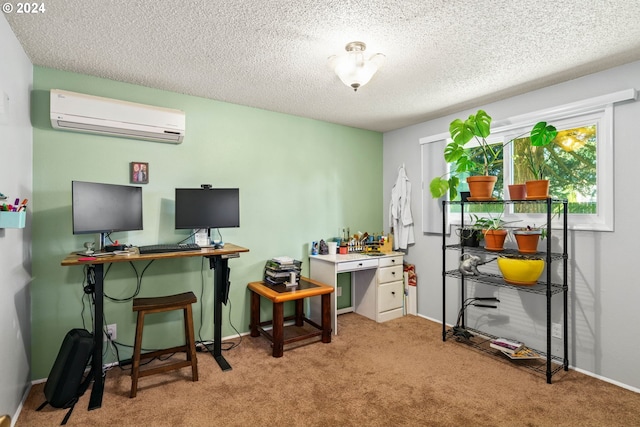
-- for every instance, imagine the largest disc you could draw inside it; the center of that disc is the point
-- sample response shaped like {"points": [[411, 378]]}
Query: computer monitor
{"points": [[206, 207], [104, 208]]}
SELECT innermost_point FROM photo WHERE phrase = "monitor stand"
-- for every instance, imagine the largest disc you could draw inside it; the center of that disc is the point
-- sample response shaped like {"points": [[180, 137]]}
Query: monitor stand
{"points": [[102, 239]]}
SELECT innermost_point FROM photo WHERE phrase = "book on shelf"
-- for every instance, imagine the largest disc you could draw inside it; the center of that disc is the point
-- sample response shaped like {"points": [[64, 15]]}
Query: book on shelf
{"points": [[524, 353], [506, 345]]}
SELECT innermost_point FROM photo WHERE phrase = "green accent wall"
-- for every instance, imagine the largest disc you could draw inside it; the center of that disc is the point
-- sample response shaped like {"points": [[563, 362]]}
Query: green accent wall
{"points": [[300, 180], [344, 282]]}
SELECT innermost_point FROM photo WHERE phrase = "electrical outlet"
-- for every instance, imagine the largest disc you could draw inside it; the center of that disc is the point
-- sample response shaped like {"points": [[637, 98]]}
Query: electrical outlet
{"points": [[556, 330], [112, 330], [339, 291]]}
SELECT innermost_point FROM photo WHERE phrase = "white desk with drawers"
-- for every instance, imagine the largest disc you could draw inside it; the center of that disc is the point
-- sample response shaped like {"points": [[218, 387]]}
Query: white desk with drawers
{"points": [[377, 288]]}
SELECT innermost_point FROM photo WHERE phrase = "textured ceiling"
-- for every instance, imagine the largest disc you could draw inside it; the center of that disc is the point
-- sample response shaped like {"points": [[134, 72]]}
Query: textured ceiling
{"points": [[442, 55]]}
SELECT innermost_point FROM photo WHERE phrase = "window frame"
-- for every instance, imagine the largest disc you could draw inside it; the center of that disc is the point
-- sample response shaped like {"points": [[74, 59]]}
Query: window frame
{"points": [[598, 111]]}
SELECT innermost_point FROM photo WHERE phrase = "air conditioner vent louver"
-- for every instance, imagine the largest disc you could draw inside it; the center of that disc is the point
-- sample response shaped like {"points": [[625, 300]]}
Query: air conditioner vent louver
{"points": [[85, 113]]}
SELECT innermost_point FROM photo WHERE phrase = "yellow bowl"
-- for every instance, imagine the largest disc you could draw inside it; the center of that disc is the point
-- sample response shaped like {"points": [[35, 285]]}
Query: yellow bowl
{"points": [[519, 270]]}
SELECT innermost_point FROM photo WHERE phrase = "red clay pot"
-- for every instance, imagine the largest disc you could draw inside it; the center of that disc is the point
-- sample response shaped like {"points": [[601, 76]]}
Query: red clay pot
{"points": [[517, 191], [527, 240], [494, 239], [481, 186], [537, 189]]}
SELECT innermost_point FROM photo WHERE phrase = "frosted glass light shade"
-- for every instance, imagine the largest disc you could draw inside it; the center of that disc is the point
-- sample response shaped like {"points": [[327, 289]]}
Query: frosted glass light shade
{"points": [[354, 68]]}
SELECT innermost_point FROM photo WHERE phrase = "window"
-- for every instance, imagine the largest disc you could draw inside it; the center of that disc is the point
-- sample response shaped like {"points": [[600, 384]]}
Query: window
{"points": [[570, 164], [579, 164]]}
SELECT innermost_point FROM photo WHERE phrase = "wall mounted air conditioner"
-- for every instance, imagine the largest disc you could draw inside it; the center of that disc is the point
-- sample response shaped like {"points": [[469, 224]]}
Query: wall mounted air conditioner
{"points": [[93, 114]]}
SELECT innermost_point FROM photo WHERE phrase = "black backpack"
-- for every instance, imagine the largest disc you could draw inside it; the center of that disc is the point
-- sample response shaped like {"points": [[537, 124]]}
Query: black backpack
{"points": [[65, 384]]}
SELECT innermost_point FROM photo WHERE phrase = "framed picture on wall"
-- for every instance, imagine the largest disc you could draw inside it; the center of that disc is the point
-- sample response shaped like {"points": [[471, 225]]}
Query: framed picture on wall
{"points": [[139, 172]]}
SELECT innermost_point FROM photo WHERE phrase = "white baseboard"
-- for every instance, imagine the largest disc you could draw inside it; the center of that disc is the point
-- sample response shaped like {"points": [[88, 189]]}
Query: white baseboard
{"points": [[14, 419], [607, 380]]}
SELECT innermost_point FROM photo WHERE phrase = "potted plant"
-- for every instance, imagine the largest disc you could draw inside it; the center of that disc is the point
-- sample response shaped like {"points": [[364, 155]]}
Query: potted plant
{"points": [[470, 236], [542, 134], [477, 127], [527, 238], [478, 160], [517, 191], [493, 230]]}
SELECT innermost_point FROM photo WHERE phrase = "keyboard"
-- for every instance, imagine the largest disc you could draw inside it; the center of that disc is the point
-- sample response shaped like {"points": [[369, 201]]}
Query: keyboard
{"points": [[168, 247]]}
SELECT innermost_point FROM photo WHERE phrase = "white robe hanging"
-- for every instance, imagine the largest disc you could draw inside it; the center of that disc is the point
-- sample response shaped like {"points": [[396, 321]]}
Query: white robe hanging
{"points": [[400, 218]]}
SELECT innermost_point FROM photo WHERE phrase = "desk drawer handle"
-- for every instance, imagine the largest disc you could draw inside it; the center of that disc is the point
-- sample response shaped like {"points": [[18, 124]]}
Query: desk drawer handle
{"points": [[360, 265]]}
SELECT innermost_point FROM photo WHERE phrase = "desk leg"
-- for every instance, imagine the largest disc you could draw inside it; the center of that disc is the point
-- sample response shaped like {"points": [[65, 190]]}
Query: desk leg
{"points": [[278, 329], [97, 271], [255, 314], [300, 312], [220, 283], [326, 318]]}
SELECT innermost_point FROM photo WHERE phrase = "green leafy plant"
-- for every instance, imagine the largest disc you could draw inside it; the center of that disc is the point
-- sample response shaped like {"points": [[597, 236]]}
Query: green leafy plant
{"points": [[477, 127], [490, 222], [494, 227], [542, 134]]}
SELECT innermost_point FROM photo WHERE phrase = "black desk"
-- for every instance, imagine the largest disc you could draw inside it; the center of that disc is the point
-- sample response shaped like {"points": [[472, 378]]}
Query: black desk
{"points": [[218, 260]]}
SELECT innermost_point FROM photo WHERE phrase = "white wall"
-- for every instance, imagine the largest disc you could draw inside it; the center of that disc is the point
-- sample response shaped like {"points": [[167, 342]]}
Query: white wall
{"points": [[604, 288], [16, 78]]}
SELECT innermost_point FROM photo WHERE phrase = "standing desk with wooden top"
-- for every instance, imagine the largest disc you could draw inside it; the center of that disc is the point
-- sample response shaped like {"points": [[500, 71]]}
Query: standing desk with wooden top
{"points": [[218, 261]]}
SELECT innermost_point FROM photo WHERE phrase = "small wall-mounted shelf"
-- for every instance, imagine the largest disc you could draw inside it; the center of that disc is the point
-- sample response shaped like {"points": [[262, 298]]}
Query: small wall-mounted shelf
{"points": [[12, 219]]}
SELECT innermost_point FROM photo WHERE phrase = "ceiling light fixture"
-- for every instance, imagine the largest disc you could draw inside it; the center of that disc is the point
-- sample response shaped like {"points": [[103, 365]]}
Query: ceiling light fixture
{"points": [[353, 68]]}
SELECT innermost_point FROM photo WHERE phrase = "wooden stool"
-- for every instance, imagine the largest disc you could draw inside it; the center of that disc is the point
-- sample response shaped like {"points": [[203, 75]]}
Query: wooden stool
{"points": [[157, 305]]}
